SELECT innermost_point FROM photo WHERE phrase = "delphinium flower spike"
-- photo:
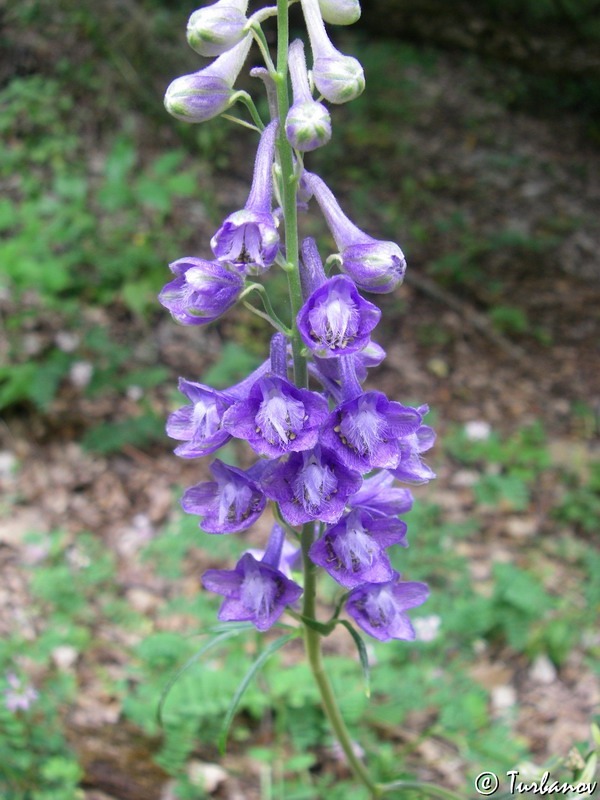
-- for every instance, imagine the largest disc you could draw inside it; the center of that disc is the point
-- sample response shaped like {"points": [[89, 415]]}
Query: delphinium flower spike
{"points": [[374, 265], [339, 78], [308, 123], [327, 452], [249, 238], [214, 29], [205, 94]]}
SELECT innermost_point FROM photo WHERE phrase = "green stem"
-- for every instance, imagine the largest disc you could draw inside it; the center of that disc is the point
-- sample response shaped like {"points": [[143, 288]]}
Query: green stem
{"points": [[244, 97], [266, 301], [289, 186]]}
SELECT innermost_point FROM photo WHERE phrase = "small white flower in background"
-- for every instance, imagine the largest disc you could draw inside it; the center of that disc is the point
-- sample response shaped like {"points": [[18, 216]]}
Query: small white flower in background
{"points": [[64, 656], [478, 430], [503, 698], [81, 373], [427, 628], [135, 393], [19, 696], [66, 341], [8, 463]]}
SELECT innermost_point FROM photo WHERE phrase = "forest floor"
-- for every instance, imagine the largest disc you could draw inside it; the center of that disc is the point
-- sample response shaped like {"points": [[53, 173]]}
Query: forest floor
{"points": [[498, 322]]}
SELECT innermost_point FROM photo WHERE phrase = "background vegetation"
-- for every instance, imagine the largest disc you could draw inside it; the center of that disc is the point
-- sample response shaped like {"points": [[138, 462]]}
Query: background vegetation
{"points": [[486, 171]]}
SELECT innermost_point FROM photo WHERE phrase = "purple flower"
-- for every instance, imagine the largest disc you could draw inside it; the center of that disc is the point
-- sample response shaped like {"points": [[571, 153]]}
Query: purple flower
{"points": [[336, 320], [277, 418], [18, 696], [370, 356], [365, 430], [214, 29], [378, 608], [201, 291], [411, 467], [374, 265], [207, 93], [379, 498], [340, 12], [312, 485], [290, 557], [308, 123], [339, 78], [255, 591], [230, 503], [249, 238], [200, 424], [353, 551]]}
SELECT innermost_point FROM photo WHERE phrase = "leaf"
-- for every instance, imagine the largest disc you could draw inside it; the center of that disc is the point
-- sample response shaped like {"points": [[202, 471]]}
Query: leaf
{"points": [[362, 652], [262, 658], [234, 364], [221, 637], [15, 383], [324, 628], [109, 437]]}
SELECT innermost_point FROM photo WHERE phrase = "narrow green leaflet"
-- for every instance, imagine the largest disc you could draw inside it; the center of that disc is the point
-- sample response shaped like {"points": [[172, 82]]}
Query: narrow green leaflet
{"points": [[324, 628], [428, 789], [232, 630], [362, 652], [262, 658]]}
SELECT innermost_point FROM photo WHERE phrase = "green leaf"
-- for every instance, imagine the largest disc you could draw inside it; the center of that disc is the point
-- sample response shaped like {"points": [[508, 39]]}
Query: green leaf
{"points": [[109, 437], [362, 652], [233, 630], [324, 628], [233, 365], [262, 658], [15, 383]]}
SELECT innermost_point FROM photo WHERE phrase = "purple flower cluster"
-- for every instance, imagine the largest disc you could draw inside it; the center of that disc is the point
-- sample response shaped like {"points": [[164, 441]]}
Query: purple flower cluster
{"points": [[327, 452]]}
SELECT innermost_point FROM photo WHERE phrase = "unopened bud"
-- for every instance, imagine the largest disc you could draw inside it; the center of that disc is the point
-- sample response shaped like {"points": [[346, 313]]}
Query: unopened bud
{"points": [[339, 78], [214, 29], [340, 12], [197, 97], [207, 93], [308, 124]]}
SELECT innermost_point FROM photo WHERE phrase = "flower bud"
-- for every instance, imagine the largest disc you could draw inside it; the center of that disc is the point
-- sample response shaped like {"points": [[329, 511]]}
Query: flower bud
{"points": [[340, 12], [308, 124], [197, 97], [339, 78], [374, 265], [214, 29], [207, 93]]}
